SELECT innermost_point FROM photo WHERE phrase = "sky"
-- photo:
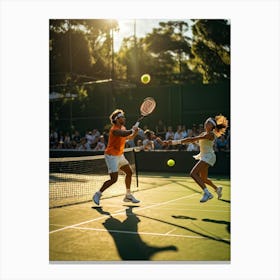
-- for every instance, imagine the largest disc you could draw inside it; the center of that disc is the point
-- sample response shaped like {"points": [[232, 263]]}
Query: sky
{"points": [[143, 26]]}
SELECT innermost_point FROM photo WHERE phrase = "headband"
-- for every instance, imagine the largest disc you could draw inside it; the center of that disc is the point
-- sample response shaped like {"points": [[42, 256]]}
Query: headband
{"points": [[118, 116], [212, 121]]}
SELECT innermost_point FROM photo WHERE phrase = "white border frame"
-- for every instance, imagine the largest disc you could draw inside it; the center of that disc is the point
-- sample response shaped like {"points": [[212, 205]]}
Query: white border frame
{"points": [[254, 128]]}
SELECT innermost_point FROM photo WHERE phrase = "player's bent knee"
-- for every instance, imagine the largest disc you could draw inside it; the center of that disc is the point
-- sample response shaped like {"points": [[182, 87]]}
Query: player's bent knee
{"points": [[192, 174], [128, 172]]}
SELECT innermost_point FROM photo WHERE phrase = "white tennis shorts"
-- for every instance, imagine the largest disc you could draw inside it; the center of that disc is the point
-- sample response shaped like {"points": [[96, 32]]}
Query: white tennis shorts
{"points": [[209, 158], [115, 162]]}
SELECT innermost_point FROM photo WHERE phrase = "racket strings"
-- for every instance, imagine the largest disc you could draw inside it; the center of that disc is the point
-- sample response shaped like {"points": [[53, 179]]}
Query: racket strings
{"points": [[147, 107]]}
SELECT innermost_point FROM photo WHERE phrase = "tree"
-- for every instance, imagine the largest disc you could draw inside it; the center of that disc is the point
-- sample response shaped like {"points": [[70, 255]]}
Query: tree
{"points": [[172, 46], [80, 50], [163, 53], [211, 50], [135, 60]]}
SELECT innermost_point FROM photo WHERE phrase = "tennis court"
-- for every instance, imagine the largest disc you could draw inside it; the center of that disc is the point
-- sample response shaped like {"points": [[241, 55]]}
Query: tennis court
{"points": [[169, 224]]}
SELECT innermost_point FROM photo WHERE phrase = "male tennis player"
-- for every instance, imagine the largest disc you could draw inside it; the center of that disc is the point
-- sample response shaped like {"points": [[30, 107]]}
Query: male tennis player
{"points": [[114, 155]]}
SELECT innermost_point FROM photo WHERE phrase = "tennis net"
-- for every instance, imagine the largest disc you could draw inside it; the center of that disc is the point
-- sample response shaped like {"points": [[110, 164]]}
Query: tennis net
{"points": [[74, 180]]}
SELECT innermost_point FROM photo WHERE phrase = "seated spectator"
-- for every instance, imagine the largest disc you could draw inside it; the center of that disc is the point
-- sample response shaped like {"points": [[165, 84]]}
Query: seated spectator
{"points": [[83, 145], [61, 136], [194, 130], [141, 134], [139, 143], [106, 135], [169, 135], [129, 143], [89, 137], [60, 145], [95, 135], [189, 131], [193, 147], [148, 143], [73, 145], [76, 136], [158, 143], [179, 133], [178, 136], [152, 142], [52, 139], [100, 146], [184, 132], [67, 141], [160, 129], [222, 144], [55, 136]]}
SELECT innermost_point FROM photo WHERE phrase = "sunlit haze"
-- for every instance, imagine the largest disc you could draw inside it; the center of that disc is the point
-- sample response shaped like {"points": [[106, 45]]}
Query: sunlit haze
{"points": [[142, 27]]}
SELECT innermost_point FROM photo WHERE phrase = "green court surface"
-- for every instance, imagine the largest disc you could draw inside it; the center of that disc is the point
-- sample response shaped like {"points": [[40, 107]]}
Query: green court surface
{"points": [[169, 224]]}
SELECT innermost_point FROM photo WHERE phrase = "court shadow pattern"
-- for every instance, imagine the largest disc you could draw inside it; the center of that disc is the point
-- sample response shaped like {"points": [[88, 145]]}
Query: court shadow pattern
{"points": [[189, 229], [219, 222]]}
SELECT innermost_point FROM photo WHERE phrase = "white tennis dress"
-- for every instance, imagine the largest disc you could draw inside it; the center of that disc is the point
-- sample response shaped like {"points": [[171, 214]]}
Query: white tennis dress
{"points": [[207, 153]]}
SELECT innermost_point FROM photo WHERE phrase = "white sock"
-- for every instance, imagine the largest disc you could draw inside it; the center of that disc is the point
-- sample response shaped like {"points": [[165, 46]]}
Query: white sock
{"points": [[128, 191]]}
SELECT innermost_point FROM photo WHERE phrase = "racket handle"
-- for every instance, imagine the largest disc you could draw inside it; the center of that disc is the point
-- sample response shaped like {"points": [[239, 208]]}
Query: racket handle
{"points": [[137, 124]]}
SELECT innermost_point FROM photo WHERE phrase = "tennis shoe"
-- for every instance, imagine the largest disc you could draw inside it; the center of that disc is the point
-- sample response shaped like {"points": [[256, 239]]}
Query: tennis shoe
{"points": [[206, 196], [96, 197], [219, 192], [130, 198]]}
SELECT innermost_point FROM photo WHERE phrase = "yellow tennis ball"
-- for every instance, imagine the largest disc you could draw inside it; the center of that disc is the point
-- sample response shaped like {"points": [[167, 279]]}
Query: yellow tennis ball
{"points": [[145, 78], [171, 162]]}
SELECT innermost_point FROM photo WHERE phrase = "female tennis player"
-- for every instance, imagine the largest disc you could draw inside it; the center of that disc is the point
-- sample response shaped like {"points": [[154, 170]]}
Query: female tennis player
{"points": [[214, 127], [114, 155]]}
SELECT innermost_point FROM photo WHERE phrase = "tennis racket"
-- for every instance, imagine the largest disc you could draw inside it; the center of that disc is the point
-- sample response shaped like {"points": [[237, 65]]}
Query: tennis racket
{"points": [[146, 108]]}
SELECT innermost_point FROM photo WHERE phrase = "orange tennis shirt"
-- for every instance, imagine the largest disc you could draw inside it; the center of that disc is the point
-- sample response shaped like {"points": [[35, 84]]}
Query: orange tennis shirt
{"points": [[116, 144]]}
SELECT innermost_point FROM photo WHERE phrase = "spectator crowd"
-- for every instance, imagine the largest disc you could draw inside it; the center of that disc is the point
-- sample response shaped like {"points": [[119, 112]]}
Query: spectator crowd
{"points": [[146, 139]]}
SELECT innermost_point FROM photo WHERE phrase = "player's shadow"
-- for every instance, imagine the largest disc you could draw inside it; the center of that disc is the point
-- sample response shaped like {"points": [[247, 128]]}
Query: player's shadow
{"points": [[183, 217], [219, 222], [128, 241], [224, 200]]}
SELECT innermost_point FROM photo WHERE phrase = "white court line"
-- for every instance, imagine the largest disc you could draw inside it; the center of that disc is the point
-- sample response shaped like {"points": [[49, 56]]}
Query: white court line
{"points": [[167, 233], [135, 210], [204, 205], [175, 204], [193, 209], [145, 233]]}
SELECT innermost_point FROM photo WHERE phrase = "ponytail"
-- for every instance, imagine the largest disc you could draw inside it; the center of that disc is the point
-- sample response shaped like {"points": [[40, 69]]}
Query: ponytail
{"points": [[221, 125]]}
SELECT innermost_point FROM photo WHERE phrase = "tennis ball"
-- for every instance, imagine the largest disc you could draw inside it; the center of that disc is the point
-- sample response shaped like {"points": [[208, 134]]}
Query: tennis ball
{"points": [[171, 162], [145, 78]]}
